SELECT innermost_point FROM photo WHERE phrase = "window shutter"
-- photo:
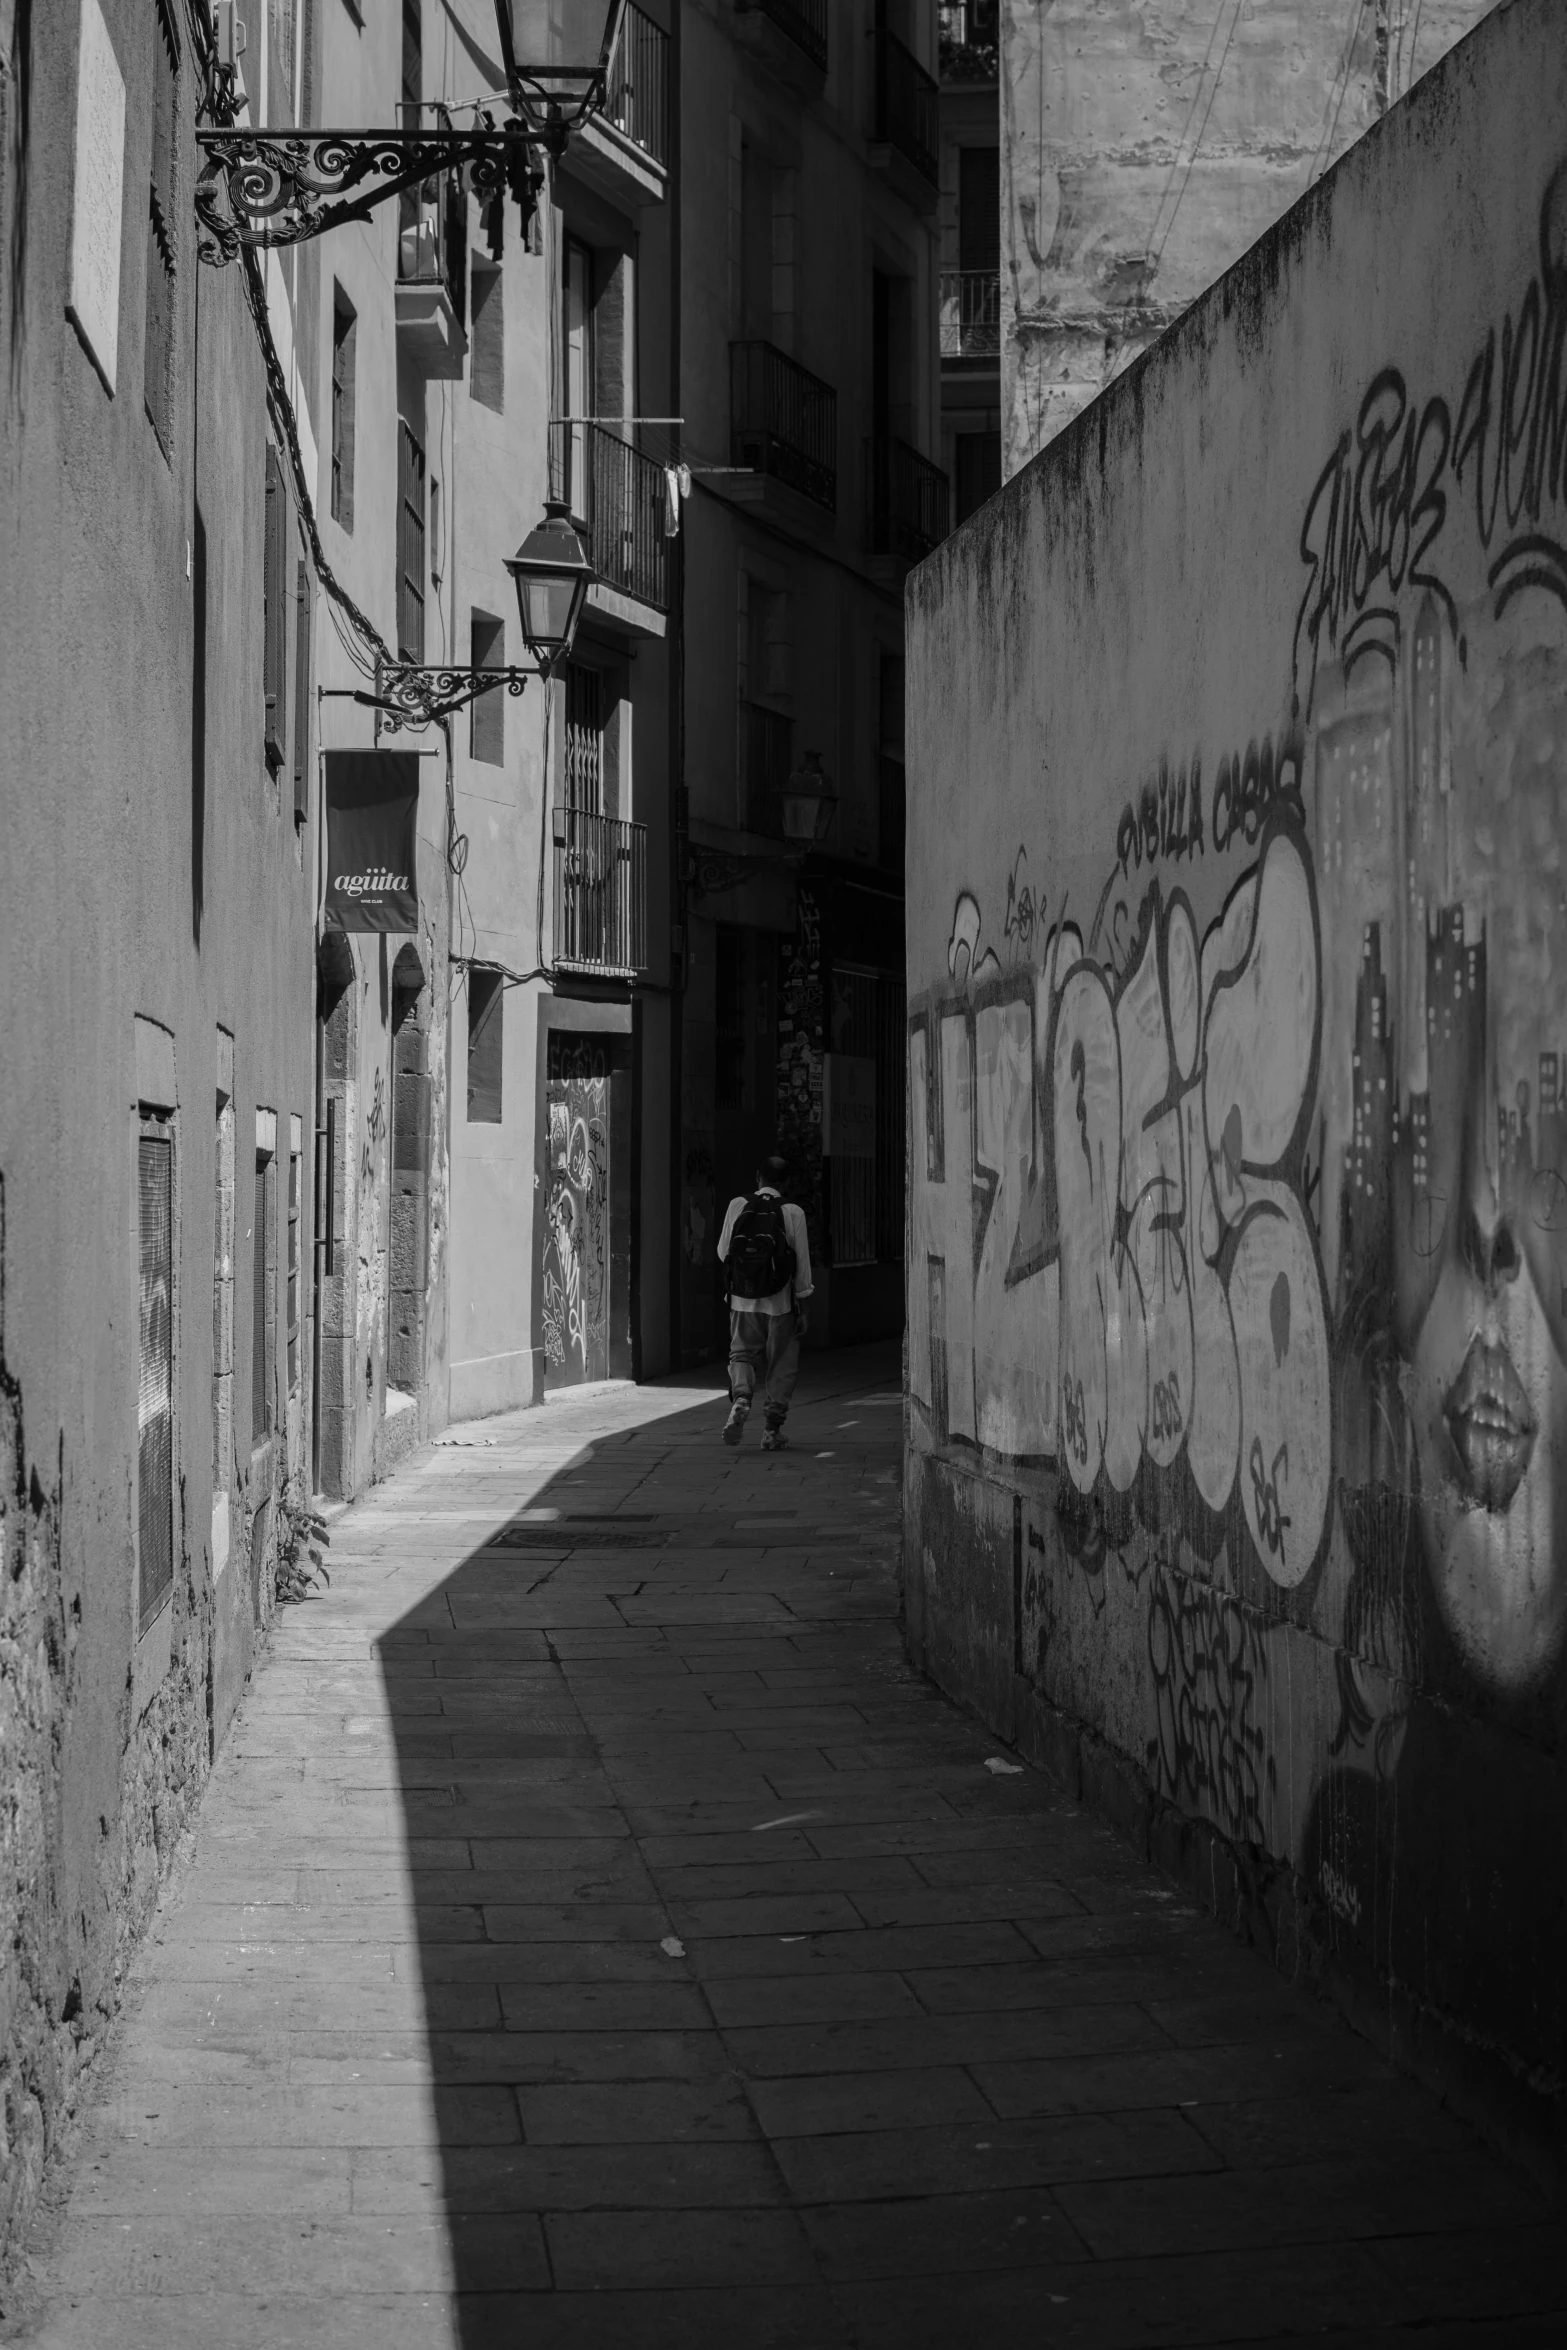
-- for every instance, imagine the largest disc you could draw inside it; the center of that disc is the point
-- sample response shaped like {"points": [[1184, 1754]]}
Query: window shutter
{"points": [[486, 1012], [487, 720], [304, 616], [410, 543], [487, 357], [274, 615]]}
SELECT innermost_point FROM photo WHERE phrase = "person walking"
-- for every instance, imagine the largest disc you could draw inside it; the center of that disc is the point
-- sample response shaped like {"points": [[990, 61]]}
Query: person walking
{"points": [[764, 1247]]}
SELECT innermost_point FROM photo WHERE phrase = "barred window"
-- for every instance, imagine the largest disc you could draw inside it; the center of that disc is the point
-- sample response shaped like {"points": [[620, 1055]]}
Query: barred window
{"points": [[263, 1323], [155, 1371], [163, 215], [410, 543]]}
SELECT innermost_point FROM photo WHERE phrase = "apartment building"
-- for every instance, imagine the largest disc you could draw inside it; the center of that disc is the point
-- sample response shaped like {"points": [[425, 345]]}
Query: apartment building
{"points": [[490, 1082], [157, 900], [805, 356], [970, 320]]}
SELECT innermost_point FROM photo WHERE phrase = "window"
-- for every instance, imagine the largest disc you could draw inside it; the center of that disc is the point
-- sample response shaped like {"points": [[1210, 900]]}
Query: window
{"points": [[487, 356], [345, 326], [584, 740], [282, 54], [729, 1018], [294, 1165], [410, 543], [977, 458], [223, 1297], [162, 226], [486, 1001], [979, 208], [891, 793], [577, 372], [487, 711], [263, 1296], [274, 614], [155, 1369]]}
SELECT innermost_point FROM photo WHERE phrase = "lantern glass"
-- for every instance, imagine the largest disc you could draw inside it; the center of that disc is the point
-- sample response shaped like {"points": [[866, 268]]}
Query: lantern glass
{"points": [[570, 34], [810, 799], [553, 576]]}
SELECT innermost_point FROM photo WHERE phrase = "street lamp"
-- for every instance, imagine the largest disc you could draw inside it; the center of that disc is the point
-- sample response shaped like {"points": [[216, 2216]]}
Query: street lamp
{"points": [[552, 575], [810, 801], [557, 55], [279, 187]]}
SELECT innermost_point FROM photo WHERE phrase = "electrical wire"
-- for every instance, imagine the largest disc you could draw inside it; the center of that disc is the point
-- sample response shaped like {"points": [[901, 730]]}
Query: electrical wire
{"points": [[1156, 250], [1323, 149]]}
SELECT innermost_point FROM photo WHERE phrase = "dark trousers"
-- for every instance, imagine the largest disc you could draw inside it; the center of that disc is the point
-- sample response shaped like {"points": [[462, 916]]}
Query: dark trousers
{"points": [[765, 1347]]}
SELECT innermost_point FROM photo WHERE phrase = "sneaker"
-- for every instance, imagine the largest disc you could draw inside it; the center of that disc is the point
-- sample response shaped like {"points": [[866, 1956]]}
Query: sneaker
{"points": [[775, 1441], [734, 1426]]}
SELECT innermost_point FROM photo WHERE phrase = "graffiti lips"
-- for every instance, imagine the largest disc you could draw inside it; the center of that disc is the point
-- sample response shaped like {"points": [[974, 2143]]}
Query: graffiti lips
{"points": [[1491, 1424]]}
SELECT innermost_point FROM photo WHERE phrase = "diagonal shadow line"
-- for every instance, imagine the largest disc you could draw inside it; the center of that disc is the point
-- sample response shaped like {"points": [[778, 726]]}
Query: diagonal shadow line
{"points": [[603, 2174]]}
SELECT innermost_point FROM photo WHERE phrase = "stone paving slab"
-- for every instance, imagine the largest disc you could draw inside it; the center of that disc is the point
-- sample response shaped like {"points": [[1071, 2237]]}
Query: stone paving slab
{"points": [[598, 1937]]}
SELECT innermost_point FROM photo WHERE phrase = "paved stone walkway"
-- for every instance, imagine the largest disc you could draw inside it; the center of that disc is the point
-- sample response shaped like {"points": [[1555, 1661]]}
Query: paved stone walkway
{"points": [[595, 1936]]}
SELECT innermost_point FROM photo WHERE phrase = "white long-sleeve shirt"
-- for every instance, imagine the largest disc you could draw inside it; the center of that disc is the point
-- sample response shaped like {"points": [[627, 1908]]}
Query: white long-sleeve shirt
{"points": [[793, 1293]]}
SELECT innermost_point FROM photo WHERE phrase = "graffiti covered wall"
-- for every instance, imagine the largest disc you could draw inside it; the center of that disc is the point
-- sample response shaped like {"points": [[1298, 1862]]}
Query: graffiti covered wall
{"points": [[1237, 1305]]}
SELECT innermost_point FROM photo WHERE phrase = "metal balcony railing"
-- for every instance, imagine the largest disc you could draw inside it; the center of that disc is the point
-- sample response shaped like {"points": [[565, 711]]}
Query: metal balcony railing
{"points": [[637, 101], [618, 497], [805, 22], [907, 500], [968, 31], [783, 421], [970, 313], [600, 892], [769, 753], [906, 103]]}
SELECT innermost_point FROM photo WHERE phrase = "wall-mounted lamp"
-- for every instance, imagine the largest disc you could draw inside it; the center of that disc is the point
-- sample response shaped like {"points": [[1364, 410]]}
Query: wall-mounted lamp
{"points": [[552, 575], [808, 801], [280, 187]]}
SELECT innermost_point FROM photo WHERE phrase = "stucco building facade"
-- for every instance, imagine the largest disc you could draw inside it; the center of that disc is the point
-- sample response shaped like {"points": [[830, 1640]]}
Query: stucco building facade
{"points": [[158, 896], [807, 291]]}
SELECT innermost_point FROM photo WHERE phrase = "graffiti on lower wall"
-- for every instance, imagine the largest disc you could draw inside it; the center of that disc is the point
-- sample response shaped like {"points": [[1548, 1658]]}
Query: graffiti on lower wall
{"points": [[1238, 1204], [1130, 1153], [576, 1225]]}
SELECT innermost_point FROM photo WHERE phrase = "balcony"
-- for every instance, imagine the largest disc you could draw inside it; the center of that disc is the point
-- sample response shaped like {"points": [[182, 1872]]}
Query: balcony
{"points": [[600, 894], [968, 34], [637, 102], [430, 299], [783, 421], [906, 501], [617, 497], [970, 314], [804, 21], [768, 750], [904, 129], [623, 152]]}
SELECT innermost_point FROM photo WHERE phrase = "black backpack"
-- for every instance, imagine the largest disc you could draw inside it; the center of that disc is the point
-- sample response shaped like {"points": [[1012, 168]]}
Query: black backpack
{"points": [[761, 1257]]}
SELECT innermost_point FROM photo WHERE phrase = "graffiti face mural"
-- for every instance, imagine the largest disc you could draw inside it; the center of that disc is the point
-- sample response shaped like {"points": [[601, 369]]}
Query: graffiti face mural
{"points": [[576, 1237]]}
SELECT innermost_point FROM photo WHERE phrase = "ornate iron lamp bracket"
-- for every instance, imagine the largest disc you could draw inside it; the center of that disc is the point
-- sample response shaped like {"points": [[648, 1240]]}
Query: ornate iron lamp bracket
{"points": [[260, 187], [407, 693], [711, 870]]}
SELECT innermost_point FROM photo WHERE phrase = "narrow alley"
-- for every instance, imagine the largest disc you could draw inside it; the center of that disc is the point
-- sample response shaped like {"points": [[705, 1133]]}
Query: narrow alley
{"points": [[594, 1933]]}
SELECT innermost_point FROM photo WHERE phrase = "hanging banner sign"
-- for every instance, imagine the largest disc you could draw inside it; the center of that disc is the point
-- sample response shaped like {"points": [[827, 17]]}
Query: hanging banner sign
{"points": [[372, 809]]}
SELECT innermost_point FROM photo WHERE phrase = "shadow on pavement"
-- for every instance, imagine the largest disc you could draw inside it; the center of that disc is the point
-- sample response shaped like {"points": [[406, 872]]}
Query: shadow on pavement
{"points": [[759, 2012]]}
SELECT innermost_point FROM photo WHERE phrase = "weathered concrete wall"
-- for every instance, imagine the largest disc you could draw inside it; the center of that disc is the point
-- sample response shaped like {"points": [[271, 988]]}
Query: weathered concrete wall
{"points": [[1237, 1463], [1147, 143]]}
